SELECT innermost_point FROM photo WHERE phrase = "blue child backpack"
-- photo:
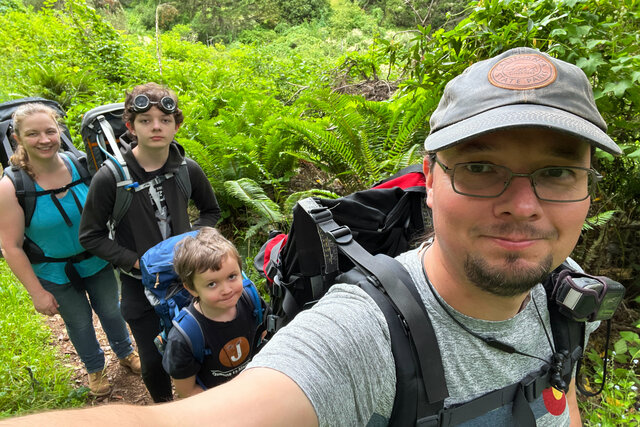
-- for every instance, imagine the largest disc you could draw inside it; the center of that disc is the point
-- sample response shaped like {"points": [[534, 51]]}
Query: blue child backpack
{"points": [[169, 298]]}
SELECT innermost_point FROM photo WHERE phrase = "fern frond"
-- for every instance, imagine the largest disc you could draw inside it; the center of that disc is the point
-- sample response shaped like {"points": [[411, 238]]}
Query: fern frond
{"points": [[323, 143], [598, 220], [263, 225], [291, 201], [410, 157], [415, 118], [253, 196], [201, 155]]}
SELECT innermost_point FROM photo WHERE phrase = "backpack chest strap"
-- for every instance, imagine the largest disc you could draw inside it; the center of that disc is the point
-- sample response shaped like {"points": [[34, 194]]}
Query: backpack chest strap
{"points": [[521, 394], [151, 186]]}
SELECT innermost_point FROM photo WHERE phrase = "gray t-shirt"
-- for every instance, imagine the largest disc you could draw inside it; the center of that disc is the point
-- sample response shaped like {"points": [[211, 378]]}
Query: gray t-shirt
{"points": [[339, 354]]}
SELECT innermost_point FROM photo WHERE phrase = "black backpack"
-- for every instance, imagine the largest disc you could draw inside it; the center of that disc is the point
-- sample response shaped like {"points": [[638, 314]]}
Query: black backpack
{"points": [[6, 127], [301, 266], [366, 229]]}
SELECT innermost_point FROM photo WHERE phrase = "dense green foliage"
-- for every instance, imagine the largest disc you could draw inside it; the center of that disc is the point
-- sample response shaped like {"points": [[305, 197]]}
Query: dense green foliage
{"points": [[276, 111], [33, 376], [621, 387]]}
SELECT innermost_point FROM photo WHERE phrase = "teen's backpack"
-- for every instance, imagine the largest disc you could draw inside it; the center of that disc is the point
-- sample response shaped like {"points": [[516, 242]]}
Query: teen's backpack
{"points": [[6, 127], [366, 230], [104, 135], [169, 298]]}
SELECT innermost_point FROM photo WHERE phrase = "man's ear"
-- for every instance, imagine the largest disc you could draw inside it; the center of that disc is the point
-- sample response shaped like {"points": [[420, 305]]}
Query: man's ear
{"points": [[428, 175], [178, 126]]}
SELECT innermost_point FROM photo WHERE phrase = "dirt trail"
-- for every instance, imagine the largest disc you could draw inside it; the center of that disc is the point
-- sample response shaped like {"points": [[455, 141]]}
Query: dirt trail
{"points": [[126, 386]]}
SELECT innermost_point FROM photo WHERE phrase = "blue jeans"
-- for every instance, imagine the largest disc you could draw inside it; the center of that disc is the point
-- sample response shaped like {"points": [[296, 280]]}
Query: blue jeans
{"points": [[75, 308]]}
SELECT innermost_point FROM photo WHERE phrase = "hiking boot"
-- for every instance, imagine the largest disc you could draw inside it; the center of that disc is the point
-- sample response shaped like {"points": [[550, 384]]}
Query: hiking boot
{"points": [[132, 362], [99, 383]]}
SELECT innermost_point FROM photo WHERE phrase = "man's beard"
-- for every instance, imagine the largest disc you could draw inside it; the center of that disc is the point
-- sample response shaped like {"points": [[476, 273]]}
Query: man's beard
{"points": [[502, 281]]}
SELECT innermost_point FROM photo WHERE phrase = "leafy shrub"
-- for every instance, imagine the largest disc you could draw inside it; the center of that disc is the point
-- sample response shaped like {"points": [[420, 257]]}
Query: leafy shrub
{"points": [[347, 17], [8, 5], [617, 405], [299, 11], [33, 376]]}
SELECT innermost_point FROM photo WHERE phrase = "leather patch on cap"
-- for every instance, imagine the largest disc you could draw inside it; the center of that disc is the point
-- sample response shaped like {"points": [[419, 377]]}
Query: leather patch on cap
{"points": [[522, 72]]}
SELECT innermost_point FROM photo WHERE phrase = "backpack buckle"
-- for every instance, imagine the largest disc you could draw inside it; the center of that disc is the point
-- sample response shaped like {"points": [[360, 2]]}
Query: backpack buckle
{"points": [[341, 235], [273, 323], [534, 384], [430, 421], [319, 213]]}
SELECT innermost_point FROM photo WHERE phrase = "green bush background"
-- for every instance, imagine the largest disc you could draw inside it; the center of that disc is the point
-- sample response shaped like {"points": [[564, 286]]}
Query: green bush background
{"points": [[342, 89]]}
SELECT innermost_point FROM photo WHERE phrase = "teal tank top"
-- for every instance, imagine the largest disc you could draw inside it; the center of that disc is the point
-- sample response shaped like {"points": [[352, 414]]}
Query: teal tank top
{"points": [[49, 231]]}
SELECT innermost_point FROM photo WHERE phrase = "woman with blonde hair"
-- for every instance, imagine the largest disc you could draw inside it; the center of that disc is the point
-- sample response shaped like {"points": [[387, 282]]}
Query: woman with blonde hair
{"points": [[43, 250]]}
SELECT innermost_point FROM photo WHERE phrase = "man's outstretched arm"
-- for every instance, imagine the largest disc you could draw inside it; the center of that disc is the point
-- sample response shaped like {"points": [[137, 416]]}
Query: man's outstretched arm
{"points": [[257, 397]]}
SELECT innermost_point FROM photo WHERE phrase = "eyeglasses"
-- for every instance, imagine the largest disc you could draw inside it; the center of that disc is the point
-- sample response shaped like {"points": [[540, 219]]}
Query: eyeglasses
{"points": [[142, 103], [551, 184]]}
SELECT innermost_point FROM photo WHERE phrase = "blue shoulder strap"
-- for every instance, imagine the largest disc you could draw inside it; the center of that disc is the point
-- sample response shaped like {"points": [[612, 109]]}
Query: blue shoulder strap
{"points": [[190, 329], [251, 290]]}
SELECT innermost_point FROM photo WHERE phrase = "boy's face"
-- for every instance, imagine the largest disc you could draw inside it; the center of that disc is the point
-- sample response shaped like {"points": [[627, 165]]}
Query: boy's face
{"points": [[219, 290], [154, 128]]}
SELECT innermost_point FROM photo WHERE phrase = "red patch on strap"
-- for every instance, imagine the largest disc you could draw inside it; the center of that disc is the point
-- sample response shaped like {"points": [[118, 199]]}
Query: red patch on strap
{"points": [[555, 401]]}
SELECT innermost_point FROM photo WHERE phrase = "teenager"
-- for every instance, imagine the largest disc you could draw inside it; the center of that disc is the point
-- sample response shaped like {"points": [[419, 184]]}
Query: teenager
{"points": [[157, 211]]}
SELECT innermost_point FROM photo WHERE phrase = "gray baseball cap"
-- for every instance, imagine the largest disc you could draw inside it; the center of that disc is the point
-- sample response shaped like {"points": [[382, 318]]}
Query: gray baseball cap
{"points": [[521, 87]]}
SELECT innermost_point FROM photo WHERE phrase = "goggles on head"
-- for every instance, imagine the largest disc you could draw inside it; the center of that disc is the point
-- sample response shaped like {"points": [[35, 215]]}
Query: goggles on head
{"points": [[142, 103]]}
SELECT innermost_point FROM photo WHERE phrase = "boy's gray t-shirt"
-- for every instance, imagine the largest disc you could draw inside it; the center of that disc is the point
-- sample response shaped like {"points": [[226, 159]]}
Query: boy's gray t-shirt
{"points": [[339, 354]]}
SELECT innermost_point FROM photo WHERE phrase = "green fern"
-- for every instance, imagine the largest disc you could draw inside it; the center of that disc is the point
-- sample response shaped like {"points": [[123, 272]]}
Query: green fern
{"points": [[315, 192], [598, 220], [411, 121], [253, 197]]}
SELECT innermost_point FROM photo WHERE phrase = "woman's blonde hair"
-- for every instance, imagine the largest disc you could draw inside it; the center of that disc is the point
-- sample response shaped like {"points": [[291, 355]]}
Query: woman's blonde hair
{"points": [[20, 157], [205, 251]]}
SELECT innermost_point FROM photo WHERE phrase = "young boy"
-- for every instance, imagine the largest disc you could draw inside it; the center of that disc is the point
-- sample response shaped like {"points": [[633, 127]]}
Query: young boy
{"points": [[211, 270], [156, 212]]}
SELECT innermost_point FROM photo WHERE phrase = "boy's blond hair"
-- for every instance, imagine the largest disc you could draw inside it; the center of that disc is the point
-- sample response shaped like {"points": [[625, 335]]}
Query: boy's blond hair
{"points": [[205, 251]]}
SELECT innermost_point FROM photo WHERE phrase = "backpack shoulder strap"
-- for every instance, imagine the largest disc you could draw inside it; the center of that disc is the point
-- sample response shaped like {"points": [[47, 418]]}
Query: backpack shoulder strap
{"points": [[25, 191], [182, 179], [411, 401], [568, 334], [252, 292], [67, 145], [388, 279], [123, 195], [190, 329], [79, 161]]}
